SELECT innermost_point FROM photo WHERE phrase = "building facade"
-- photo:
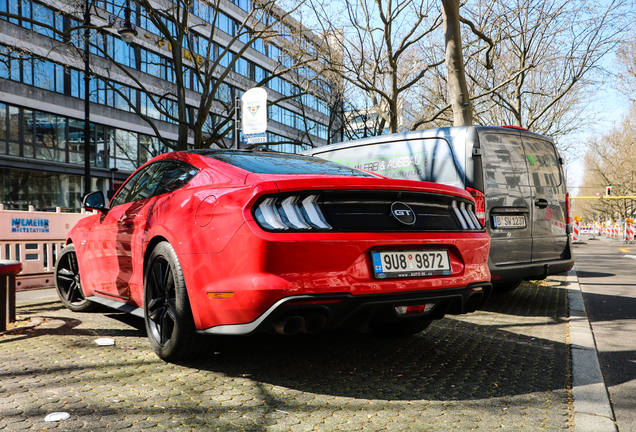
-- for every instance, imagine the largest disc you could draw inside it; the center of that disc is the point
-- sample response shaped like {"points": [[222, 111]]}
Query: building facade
{"points": [[42, 97]]}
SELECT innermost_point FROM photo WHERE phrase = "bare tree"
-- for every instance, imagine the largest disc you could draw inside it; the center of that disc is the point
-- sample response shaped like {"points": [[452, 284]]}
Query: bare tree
{"points": [[194, 84], [626, 66], [610, 161], [550, 54], [457, 88], [530, 63], [378, 49]]}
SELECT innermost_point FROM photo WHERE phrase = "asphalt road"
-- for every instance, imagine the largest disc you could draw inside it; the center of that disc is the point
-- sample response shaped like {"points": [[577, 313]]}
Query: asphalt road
{"points": [[606, 269]]}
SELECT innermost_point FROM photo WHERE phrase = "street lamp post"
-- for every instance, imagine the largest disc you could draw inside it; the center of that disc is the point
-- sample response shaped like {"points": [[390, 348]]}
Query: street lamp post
{"points": [[127, 32]]}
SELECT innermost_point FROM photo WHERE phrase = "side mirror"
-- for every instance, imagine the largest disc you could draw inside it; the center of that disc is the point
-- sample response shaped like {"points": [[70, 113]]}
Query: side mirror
{"points": [[94, 201]]}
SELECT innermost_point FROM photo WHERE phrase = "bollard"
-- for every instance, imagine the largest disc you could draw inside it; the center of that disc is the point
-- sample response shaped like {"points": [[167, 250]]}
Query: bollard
{"points": [[575, 232], [8, 270], [629, 232]]}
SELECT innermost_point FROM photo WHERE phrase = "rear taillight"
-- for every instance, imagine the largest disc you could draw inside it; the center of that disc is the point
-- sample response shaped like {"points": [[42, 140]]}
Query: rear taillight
{"points": [[466, 215], [291, 212], [480, 205], [567, 208]]}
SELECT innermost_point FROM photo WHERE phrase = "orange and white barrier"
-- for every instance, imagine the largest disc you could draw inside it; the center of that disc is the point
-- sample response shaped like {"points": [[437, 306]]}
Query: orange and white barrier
{"points": [[576, 232], [629, 232]]}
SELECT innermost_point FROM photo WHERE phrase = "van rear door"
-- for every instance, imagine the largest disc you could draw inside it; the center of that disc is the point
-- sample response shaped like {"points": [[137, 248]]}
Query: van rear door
{"points": [[549, 238], [508, 197]]}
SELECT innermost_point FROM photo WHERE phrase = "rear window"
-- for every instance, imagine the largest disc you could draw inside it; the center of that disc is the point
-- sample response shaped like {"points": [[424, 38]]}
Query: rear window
{"points": [[281, 163], [543, 162], [504, 160], [419, 159]]}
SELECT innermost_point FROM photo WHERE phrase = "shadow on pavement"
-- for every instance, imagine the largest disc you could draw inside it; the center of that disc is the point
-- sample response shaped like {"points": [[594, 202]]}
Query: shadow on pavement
{"points": [[587, 274], [469, 357]]}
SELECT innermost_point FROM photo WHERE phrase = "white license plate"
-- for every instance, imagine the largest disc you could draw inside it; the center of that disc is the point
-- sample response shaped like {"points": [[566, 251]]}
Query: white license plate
{"points": [[412, 263], [509, 221]]}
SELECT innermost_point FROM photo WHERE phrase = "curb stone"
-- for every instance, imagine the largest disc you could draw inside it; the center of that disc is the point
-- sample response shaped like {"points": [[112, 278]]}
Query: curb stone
{"points": [[592, 408]]}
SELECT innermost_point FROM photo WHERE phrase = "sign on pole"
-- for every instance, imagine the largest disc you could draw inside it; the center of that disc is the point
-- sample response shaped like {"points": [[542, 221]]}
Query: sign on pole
{"points": [[254, 118]]}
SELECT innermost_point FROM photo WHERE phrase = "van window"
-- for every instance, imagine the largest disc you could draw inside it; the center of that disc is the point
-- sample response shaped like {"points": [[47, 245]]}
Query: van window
{"points": [[504, 160], [418, 159], [543, 163]]}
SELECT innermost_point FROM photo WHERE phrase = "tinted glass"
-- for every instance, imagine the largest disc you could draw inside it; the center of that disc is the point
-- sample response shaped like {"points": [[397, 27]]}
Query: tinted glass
{"points": [[504, 160], [175, 176], [419, 159], [147, 183], [543, 163], [130, 189], [277, 163], [155, 179]]}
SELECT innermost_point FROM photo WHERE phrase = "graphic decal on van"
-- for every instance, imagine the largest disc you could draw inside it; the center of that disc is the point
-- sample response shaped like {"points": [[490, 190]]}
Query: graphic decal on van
{"points": [[423, 160]]}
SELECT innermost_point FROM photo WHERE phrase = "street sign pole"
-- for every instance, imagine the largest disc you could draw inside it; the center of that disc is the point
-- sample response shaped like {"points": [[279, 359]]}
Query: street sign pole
{"points": [[237, 120]]}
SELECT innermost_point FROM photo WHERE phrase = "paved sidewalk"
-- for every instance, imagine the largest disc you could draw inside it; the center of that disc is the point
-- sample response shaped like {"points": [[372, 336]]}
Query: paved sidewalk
{"points": [[506, 368]]}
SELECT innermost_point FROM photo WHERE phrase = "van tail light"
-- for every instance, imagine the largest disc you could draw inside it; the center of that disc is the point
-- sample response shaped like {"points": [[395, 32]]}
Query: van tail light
{"points": [[567, 208], [480, 205]]}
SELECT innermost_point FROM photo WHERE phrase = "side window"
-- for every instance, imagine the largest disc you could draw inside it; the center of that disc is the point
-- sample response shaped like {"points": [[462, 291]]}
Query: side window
{"points": [[136, 187], [175, 176], [543, 162], [147, 183], [504, 160]]}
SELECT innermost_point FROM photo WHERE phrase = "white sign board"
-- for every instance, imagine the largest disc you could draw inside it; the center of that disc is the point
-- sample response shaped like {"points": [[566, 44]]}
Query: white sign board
{"points": [[254, 118]]}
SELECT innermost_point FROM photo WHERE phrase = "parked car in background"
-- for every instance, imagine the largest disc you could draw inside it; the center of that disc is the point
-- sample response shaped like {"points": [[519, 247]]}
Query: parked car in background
{"points": [[217, 242], [516, 177]]}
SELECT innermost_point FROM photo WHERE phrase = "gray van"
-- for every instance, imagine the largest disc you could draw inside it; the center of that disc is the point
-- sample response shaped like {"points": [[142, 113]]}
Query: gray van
{"points": [[516, 177]]}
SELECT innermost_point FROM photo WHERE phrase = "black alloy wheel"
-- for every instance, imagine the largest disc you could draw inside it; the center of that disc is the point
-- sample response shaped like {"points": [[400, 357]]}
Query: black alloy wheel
{"points": [[167, 312], [68, 282]]}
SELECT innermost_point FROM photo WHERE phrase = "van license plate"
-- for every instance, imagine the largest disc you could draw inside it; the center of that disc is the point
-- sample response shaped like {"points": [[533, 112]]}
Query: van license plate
{"points": [[413, 263], [509, 221]]}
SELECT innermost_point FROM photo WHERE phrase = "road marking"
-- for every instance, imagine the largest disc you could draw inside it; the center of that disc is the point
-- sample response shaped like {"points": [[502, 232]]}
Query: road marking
{"points": [[630, 256], [624, 250]]}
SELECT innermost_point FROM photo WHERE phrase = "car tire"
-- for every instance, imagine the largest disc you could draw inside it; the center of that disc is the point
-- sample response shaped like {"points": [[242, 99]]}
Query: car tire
{"points": [[504, 288], [168, 316], [400, 328], [68, 283]]}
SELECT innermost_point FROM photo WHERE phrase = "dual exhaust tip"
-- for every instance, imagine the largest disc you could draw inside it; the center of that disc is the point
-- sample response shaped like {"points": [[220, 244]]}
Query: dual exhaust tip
{"points": [[292, 324]]}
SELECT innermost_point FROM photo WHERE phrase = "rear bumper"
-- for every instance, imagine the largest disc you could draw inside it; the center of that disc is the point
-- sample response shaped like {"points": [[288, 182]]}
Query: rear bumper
{"points": [[530, 271], [260, 270], [347, 310]]}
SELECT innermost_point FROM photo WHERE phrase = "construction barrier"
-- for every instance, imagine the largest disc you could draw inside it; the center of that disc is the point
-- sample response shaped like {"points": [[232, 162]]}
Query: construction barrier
{"points": [[629, 232], [36, 240], [576, 232]]}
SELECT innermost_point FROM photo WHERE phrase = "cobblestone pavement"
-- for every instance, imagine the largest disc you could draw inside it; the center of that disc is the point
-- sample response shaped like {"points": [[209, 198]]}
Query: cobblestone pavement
{"points": [[506, 368]]}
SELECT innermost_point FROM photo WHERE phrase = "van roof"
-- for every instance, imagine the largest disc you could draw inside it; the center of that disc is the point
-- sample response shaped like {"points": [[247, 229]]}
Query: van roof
{"points": [[445, 132]]}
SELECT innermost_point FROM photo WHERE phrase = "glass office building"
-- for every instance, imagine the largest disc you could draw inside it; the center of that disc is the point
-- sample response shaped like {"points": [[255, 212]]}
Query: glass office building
{"points": [[41, 101]]}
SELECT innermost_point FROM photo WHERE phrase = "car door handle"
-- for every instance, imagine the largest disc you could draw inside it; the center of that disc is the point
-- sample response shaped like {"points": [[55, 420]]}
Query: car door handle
{"points": [[541, 203]]}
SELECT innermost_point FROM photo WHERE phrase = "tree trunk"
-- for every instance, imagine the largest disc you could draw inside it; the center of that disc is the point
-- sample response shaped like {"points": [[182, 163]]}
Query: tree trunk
{"points": [[457, 88]]}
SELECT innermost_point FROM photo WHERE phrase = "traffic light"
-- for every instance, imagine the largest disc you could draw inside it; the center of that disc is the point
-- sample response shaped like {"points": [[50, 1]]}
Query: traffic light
{"points": [[608, 191]]}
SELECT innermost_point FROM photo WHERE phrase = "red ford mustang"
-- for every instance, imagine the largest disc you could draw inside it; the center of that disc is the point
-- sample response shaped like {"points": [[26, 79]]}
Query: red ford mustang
{"points": [[217, 242]]}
